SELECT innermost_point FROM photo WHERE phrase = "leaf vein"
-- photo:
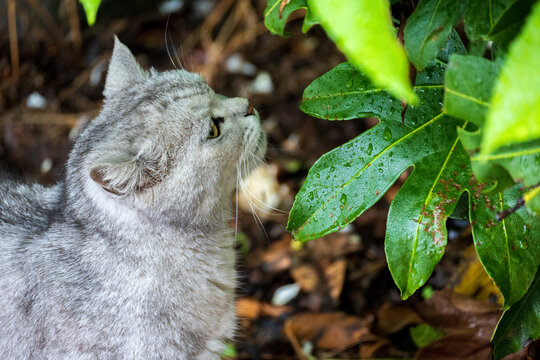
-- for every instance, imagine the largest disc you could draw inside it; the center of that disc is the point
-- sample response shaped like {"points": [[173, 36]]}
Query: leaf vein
{"points": [[467, 97]]}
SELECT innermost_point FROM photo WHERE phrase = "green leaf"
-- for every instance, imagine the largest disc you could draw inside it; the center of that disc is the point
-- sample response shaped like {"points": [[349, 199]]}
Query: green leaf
{"points": [[275, 15], [348, 180], [510, 21], [520, 324], [363, 30], [416, 229], [344, 93], [532, 200], [90, 9], [468, 85], [482, 15], [508, 249], [422, 335], [515, 109], [428, 28]]}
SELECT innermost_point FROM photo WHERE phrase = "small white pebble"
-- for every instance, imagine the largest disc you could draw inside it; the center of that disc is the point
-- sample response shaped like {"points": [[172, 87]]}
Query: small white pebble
{"points": [[262, 84], [203, 7], [236, 64], [170, 6], [46, 165], [97, 73], [285, 294], [36, 101]]}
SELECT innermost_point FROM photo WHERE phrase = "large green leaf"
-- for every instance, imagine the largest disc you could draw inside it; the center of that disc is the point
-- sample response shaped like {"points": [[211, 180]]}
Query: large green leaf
{"points": [[508, 249], [363, 30], [346, 181], [350, 179], [345, 93], [522, 163], [515, 111], [520, 324], [277, 13], [509, 22], [428, 28], [468, 83], [90, 9], [482, 16]]}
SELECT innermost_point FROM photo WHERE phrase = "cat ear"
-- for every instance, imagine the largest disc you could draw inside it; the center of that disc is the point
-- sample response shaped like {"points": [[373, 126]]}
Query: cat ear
{"points": [[125, 176], [123, 70]]}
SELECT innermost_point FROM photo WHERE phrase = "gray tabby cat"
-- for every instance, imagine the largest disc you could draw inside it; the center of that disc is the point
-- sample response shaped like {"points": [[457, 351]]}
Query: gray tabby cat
{"points": [[131, 256]]}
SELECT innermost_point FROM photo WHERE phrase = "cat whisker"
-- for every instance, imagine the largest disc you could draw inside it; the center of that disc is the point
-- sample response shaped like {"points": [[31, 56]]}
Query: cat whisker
{"points": [[236, 213], [167, 42], [248, 193], [255, 216]]}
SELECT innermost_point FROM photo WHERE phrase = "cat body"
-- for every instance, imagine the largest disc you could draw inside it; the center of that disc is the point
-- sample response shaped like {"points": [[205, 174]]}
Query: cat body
{"points": [[131, 256]]}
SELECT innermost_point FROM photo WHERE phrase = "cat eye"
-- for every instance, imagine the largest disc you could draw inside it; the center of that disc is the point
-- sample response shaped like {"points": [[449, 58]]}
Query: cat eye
{"points": [[214, 130]]}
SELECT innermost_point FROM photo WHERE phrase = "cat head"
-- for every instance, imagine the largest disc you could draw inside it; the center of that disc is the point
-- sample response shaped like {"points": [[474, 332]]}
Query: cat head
{"points": [[164, 145]]}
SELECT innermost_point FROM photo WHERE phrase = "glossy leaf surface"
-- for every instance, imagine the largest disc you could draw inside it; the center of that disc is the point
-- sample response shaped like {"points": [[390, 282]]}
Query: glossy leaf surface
{"points": [[468, 83], [520, 324], [515, 109], [428, 28], [363, 30], [277, 13], [482, 15], [90, 9]]}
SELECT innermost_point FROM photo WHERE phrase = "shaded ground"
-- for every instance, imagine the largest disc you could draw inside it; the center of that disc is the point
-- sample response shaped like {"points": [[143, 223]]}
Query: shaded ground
{"points": [[332, 297]]}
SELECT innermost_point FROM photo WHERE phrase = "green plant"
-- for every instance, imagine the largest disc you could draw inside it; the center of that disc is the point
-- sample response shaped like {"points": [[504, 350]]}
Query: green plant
{"points": [[470, 131]]}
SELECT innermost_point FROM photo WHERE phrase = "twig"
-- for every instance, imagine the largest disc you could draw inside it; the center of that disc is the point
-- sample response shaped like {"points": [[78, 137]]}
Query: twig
{"points": [[48, 20], [13, 41], [294, 341], [75, 30], [504, 213]]}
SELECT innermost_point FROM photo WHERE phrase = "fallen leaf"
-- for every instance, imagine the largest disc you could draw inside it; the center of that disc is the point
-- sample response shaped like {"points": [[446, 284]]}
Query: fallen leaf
{"points": [[335, 277], [455, 312], [328, 330], [333, 246], [251, 309], [306, 276], [456, 347], [274, 259], [391, 319]]}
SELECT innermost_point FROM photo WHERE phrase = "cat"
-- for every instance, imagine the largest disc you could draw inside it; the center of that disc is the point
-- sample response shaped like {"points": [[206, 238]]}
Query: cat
{"points": [[131, 255]]}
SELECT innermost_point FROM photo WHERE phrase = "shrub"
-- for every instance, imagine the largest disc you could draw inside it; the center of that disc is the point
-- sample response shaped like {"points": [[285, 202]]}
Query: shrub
{"points": [[468, 126]]}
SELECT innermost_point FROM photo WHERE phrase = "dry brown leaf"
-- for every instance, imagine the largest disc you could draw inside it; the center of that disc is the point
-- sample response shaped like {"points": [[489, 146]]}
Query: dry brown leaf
{"points": [[333, 246], [456, 347], [455, 313], [335, 277], [248, 308], [306, 277], [328, 330], [276, 258], [251, 309], [371, 345], [391, 319]]}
